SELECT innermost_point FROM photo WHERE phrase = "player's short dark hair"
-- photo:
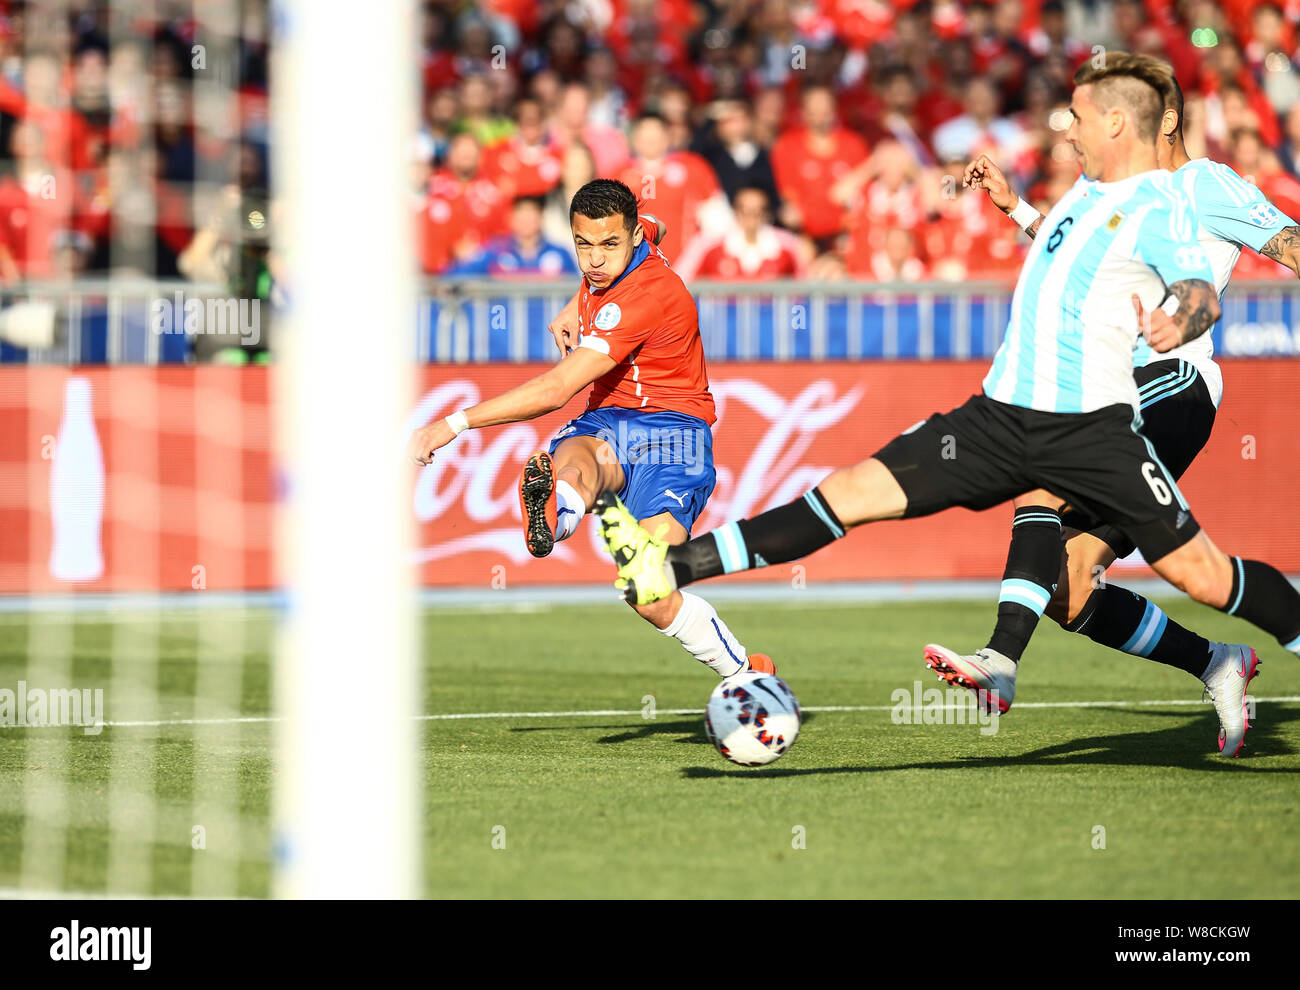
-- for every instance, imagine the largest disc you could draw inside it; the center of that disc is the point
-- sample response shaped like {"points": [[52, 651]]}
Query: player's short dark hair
{"points": [[1139, 83], [602, 198]]}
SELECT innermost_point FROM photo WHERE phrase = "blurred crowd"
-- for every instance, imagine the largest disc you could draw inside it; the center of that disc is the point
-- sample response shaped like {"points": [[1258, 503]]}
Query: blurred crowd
{"points": [[775, 138], [133, 138], [810, 138]]}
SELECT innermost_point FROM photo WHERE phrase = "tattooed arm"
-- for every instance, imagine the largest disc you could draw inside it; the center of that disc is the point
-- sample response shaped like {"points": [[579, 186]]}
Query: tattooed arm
{"points": [[1032, 229], [1198, 310], [1284, 247]]}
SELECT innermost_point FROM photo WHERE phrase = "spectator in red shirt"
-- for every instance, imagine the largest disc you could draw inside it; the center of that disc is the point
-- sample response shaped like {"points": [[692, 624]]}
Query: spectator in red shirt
{"points": [[36, 201], [677, 187], [1001, 56], [1255, 162], [437, 66], [68, 140], [884, 194], [944, 98], [1269, 33], [524, 165], [896, 260], [808, 161], [463, 208], [573, 123], [1227, 67], [1148, 27], [753, 249], [1227, 112]]}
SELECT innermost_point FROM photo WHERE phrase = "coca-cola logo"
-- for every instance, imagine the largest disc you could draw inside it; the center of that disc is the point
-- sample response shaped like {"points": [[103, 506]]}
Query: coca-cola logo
{"points": [[473, 480]]}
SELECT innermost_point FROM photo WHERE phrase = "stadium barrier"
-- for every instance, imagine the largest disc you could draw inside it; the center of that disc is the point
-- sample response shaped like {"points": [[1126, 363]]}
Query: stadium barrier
{"points": [[485, 321], [103, 321], [481, 321], [195, 443]]}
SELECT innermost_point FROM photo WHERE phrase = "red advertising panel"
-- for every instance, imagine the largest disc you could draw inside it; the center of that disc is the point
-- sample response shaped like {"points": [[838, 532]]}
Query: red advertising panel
{"points": [[783, 426], [165, 479], [134, 479]]}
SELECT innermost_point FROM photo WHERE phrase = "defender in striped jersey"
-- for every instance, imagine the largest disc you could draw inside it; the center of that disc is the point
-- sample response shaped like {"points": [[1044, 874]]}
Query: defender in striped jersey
{"points": [[1179, 393], [1059, 409]]}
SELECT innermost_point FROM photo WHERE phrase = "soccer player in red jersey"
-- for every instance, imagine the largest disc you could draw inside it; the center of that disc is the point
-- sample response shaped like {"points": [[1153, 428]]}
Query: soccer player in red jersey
{"points": [[646, 430]]}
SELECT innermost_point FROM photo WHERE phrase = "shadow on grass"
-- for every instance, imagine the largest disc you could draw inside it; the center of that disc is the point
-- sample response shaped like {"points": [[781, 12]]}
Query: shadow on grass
{"points": [[1189, 746], [688, 730]]}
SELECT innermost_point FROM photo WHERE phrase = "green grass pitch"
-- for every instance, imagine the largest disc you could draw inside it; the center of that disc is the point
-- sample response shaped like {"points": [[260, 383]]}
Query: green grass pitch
{"points": [[629, 806]]}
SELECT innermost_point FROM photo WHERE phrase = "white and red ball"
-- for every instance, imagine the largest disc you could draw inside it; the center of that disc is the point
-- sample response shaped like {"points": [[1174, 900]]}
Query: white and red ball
{"points": [[752, 719]]}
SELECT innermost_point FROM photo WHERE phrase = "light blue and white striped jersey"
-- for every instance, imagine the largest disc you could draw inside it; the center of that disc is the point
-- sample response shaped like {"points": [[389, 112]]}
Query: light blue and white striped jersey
{"points": [[1070, 340], [1231, 213]]}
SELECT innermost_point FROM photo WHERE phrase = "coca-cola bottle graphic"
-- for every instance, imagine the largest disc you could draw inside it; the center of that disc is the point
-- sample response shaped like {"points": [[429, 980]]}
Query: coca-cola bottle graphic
{"points": [[77, 490]]}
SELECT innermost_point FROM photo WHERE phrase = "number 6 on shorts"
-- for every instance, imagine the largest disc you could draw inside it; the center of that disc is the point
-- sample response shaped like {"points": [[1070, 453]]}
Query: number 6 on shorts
{"points": [[1158, 487]]}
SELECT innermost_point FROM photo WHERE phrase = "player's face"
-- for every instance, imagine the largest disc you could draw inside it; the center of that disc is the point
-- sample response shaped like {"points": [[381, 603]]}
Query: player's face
{"points": [[604, 247], [1086, 130]]}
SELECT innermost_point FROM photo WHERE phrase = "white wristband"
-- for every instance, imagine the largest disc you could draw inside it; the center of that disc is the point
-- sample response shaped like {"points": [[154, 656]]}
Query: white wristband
{"points": [[1024, 214], [1170, 305], [458, 422]]}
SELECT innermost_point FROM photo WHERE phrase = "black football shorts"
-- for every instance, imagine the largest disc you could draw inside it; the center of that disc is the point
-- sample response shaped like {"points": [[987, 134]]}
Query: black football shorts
{"points": [[985, 452], [1177, 417]]}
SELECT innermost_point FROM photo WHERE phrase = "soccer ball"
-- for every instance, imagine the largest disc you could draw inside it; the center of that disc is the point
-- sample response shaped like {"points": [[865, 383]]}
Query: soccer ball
{"points": [[752, 718]]}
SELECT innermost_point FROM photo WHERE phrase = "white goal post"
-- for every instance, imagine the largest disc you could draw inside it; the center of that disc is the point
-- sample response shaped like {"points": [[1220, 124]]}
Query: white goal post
{"points": [[346, 808]]}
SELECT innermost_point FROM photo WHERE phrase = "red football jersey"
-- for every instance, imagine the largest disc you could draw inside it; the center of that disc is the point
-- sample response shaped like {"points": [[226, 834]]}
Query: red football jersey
{"points": [[456, 211], [673, 190], [647, 322], [523, 170], [806, 180], [732, 258]]}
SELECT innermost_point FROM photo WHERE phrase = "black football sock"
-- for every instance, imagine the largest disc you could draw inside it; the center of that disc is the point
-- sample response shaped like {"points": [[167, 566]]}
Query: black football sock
{"points": [[787, 532], [1260, 594], [1125, 621], [1033, 565]]}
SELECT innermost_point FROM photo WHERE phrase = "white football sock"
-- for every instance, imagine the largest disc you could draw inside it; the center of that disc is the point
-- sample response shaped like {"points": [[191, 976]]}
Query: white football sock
{"points": [[706, 637], [569, 510]]}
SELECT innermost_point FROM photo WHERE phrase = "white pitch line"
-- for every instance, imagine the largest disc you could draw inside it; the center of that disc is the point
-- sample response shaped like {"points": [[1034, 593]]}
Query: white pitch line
{"points": [[607, 712]]}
